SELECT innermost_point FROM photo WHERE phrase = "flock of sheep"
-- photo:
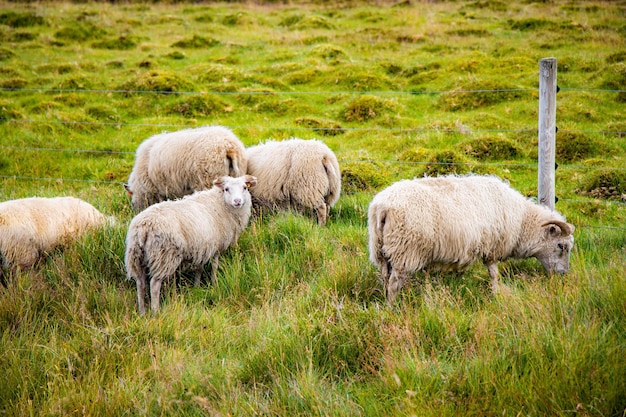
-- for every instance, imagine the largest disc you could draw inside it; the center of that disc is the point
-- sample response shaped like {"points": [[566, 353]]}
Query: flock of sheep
{"points": [[195, 190]]}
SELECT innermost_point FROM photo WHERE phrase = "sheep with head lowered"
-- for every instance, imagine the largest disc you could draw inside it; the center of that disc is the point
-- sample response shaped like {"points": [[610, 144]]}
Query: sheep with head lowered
{"points": [[295, 173], [174, 164], [32, 227], [450, 222], [186, 234]]}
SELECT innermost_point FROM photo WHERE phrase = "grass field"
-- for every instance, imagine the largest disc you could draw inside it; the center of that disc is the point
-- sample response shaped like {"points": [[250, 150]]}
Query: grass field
{"points": [[298, 324]]}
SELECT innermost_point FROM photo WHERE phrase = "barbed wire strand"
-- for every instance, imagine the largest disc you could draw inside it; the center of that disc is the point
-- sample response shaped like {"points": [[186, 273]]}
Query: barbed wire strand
{"points": [[385, 161], [110, 182], [409, 92], [463, 131]]}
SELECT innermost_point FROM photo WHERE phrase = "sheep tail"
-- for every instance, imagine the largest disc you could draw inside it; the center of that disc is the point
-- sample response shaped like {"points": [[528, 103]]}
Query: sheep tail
{"points": [[135, 263], [376, 226], [334, 180]]}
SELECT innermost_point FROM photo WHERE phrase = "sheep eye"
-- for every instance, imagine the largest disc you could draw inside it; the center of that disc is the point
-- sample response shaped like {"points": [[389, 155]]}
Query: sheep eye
{"points": [[227, 189]]}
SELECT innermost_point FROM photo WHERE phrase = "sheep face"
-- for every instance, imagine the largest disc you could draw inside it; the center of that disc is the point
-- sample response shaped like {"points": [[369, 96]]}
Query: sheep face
{"points": [[236, 190], [555, 249]]}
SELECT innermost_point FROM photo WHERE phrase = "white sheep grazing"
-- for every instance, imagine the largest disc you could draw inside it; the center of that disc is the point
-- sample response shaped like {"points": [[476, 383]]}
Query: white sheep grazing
{"points": [[31, 227], [450, 222], [186, 233], [172, 165], [295, 173]]}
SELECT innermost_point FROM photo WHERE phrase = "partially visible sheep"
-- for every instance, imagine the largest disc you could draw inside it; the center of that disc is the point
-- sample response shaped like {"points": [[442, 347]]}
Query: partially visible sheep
{"points": [[295, 173], [186, 234], [172, 165], [31, 227], [448, 223]]}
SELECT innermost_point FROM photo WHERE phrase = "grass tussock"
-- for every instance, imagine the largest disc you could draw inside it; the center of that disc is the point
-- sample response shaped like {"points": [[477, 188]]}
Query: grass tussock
{"points": [[161, 81], [297, 323]]}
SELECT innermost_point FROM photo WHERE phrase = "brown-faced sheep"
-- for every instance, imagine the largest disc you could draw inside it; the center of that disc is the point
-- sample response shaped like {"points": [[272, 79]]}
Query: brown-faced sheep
{"points": [[186, 234], [172, 165], [295, 173], [450, 222]]}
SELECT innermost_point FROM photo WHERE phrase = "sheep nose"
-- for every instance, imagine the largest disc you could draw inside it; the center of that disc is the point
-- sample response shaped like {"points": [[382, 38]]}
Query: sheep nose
{"points": [[237, 202]]}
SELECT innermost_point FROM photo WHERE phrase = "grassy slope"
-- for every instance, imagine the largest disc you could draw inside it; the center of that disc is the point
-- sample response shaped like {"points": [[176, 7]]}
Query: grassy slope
{"points": [[297, 323]]}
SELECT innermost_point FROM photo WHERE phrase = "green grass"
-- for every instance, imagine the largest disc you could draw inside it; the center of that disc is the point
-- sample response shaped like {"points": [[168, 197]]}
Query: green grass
{"points": [[297, 323]]}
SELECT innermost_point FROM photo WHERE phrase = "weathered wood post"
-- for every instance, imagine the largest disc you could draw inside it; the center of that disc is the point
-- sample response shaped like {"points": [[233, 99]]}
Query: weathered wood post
{"points": [[547, 131]]}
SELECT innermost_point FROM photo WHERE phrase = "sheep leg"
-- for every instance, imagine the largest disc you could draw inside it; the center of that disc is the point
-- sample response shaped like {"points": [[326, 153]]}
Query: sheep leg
{"points": [[141, 292], [155, 294], [322, 214], [385, 269], [214, 264], [395, 284], [493, 273], [197, 278]]}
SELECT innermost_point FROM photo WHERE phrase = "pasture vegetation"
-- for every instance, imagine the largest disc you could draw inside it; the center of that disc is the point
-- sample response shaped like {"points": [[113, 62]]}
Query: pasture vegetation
{"points": [[297, 324]]}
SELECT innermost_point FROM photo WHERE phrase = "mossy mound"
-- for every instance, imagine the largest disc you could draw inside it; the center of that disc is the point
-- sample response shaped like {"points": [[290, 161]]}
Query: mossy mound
{"points": [[121, 43], [362, 176], [6, 53], [7, 112], [158, 81], [465, 32], [115, 64], [617, 128], [616, 57], [490, 149], [356, 78], [215, 73], [493, 5], [330, 53], [575, 146], [21, 20], [532, 24], [415, 155], [605, 184], [301, 21], [304, 76], [366, 107], [56, 68], [253, 96], [14, 83], [103, 113], [573, 63], [199, 105], [196, 42], [323, 127], [22, 36], [71, 99], [80, 31], [284, 68], [236, 19], [615, 79], [291, 20], [175, 55], [280, 106], [446, 162], [77, 82], [477, 94]]}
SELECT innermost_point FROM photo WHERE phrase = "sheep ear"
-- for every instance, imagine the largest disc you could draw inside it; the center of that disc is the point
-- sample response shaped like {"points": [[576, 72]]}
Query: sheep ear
{"points": [[129, 192], [219, 183], [250, 180]]}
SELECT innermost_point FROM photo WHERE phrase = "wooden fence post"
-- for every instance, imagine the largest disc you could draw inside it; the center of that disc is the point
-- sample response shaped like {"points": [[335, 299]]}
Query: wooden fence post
{"points": [[547, 131]]}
